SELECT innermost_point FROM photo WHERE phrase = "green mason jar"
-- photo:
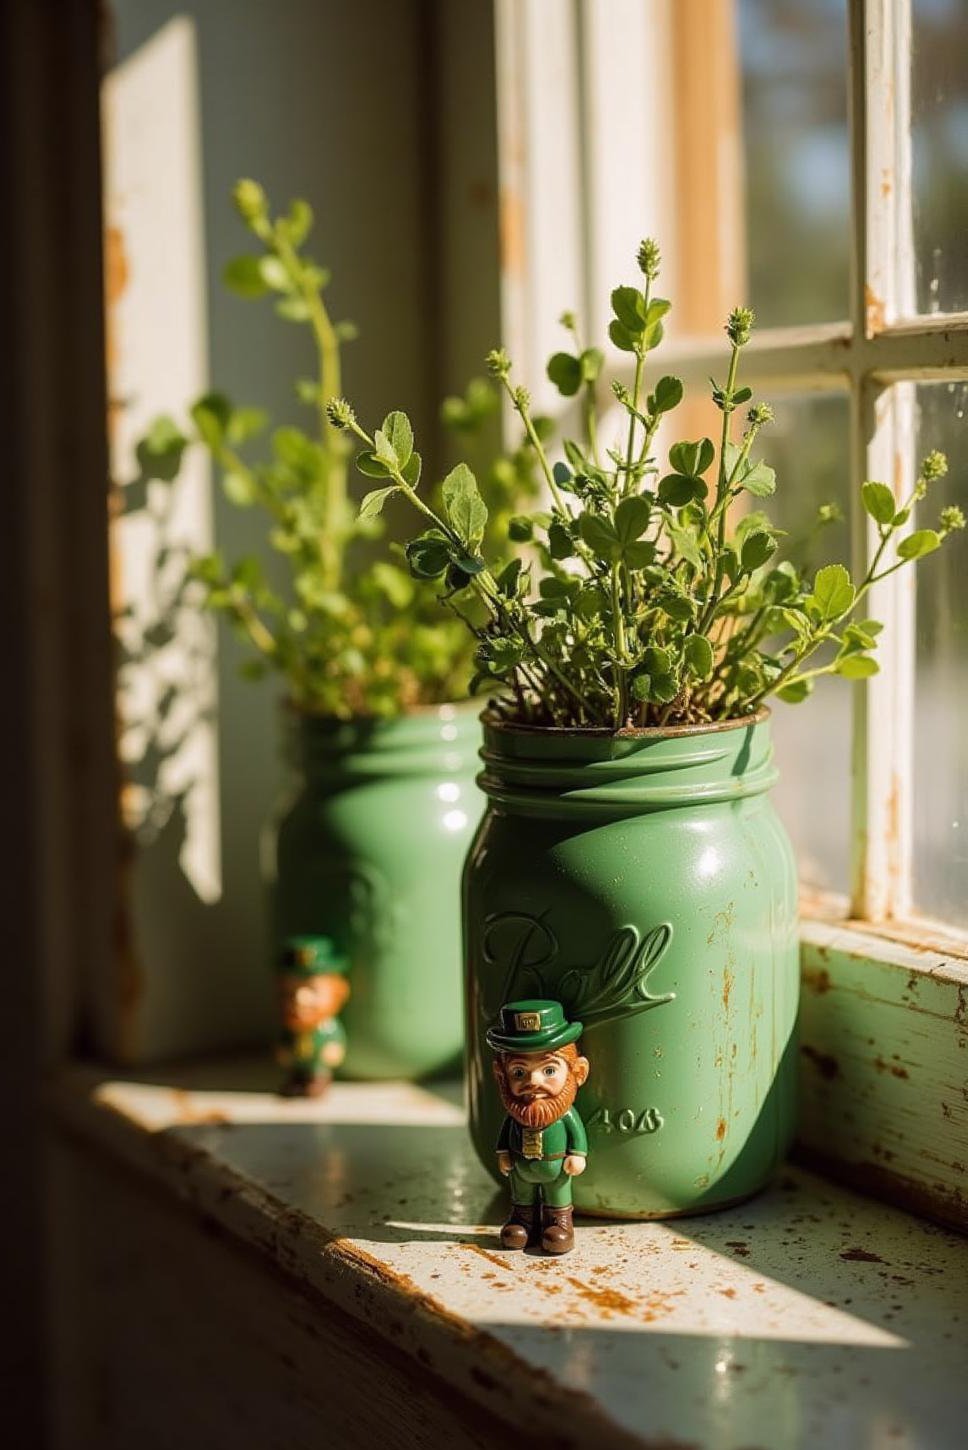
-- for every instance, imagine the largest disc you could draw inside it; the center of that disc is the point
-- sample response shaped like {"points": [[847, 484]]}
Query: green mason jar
{"points": [[367, 849], [645, 881]]}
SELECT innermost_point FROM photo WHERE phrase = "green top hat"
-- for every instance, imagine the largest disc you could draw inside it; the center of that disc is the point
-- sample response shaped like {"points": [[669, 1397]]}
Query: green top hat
{"points": [[310, 956], [536, 1026]]}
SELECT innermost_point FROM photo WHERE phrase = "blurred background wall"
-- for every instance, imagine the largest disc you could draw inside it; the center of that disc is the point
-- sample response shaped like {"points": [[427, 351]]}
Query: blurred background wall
{"points": [[380, 114]]}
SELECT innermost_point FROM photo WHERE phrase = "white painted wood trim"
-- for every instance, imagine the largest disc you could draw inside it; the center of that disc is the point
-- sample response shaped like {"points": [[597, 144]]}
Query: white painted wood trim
{"points": [[876, 356], [884, 705], [831, 355], [627, 145], [883, 446], [540, 179], [943, 958], [883, 1038], [159, 359]]}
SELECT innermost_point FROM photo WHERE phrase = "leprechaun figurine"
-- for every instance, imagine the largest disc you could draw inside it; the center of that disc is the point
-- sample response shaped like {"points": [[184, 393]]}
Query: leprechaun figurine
{"points": [[312, 990], [542, 1145]]}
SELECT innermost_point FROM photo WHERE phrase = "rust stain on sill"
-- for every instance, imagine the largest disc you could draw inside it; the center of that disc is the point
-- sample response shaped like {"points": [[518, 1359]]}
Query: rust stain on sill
{"points": [[502, 1263], [412, 1304], [816, 981], [827, 1065], [608, 1302], [862, 1256], [895, 1069]]}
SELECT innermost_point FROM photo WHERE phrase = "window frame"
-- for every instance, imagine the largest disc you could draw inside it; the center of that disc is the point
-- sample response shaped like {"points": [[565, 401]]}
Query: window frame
{"points": [[875, 358], [549, 84]]}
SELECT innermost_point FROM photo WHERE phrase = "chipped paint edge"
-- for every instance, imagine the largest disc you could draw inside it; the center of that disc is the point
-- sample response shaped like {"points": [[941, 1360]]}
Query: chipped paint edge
{"points": [[464, 1356], [884, 1069]]}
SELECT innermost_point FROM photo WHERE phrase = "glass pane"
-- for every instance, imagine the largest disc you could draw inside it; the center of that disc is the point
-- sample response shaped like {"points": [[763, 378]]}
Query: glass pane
{"points": [[797, 154], [808, 447], [939, 161], [941, 734]]}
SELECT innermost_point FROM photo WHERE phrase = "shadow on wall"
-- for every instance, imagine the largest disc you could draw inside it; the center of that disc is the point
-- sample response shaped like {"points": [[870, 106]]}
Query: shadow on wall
{"points": [[285, 94]]}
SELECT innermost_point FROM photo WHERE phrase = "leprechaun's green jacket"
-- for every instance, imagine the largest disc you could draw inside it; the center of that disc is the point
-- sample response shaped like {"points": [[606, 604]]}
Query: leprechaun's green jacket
{"points": [[559, 1139], [305, 1052]]}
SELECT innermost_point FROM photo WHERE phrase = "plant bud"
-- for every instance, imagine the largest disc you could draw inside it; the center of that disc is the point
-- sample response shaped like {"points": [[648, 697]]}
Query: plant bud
{"points": [[250, 200], [739, 325], [339, 413], [498, 363], [934, 466], [649, 257]]}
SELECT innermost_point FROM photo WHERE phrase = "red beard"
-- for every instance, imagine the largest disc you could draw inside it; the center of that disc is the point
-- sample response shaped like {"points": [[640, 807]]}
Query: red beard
{"points": [[535, 1111]]}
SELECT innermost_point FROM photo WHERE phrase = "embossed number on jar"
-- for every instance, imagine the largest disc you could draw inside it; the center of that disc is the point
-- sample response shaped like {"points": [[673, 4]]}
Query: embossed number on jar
{"points": [[630, 1121]]}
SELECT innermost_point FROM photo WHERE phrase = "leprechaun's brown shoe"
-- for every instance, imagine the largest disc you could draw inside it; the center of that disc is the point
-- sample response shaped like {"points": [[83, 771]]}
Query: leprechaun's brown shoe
{"points": [[558, 1234], [516, 1233]]}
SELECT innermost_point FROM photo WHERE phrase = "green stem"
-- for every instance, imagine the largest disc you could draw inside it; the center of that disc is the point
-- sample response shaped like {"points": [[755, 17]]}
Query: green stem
{"points": [[621, 649], [876, 578], [814, 673], [722, 490], [330, 386], [591, 423], [553, 668], [742, 643], [872, 576], [230, 462], [536, 444], [789, 670], [636, 389], [650, 433], [260, 636], [484, 584]]}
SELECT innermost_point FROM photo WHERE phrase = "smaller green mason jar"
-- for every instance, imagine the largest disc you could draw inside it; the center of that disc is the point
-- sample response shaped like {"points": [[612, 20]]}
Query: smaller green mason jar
{"points": [[645, 882], [366, 848]]}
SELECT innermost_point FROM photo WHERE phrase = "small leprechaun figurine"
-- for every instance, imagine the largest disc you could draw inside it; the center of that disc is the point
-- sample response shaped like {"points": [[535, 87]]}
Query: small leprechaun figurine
{"points": [[542, 1145], [312, 989]]}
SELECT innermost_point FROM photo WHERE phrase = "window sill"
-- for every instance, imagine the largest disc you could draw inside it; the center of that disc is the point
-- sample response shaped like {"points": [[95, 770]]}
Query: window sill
{"points": [[884, 1048], [777, 1313]]}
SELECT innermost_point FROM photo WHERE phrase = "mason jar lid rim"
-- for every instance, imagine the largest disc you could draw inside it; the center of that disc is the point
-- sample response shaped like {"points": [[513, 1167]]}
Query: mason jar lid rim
{"points": [[412, 712], [641, 732]]}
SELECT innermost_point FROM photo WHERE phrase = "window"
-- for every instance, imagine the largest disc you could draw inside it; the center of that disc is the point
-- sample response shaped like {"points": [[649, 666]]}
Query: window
{"points": [[810, 160], [806, 158]]}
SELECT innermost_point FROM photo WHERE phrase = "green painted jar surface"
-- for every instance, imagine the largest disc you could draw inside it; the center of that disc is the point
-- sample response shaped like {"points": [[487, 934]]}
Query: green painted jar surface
{"points": [[367, 848], [645, 881]]}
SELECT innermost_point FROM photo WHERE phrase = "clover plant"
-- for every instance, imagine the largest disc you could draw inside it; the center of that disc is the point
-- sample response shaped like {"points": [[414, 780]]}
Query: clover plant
{"points": [[348, 633], [647, 593]]}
